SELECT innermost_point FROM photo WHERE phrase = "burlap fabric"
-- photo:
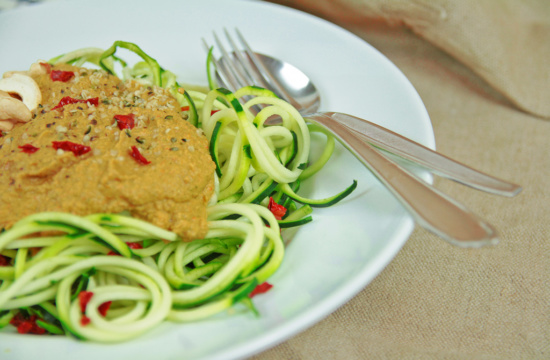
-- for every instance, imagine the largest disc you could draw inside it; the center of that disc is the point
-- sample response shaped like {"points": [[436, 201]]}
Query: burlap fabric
{"points": [[482, 70]]}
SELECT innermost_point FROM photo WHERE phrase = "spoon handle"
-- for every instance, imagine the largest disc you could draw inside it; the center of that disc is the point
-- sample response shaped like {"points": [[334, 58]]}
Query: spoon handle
{"points": [[430, 208], [441, 165]]}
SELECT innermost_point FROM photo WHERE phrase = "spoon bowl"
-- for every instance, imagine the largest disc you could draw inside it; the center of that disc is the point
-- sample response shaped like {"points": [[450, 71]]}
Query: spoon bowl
{"points": [[297, 84]]}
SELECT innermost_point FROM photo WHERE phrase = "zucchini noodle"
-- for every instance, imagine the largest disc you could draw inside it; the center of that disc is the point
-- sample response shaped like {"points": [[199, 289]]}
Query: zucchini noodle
{"points": [[66, 271]]}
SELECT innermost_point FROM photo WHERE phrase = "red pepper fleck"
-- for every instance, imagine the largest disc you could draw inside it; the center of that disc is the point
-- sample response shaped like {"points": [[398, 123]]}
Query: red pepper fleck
{"points": [[28, 149], [67, 100], [60, 75], [76, 149], [46, 67], [130, 245], [186, 108], [103, 308], [260, 289], [17, 319], [35, 328], [278, 210], [84, 320], [26, 325], [125, 121], [83, 299], [138, 157]]}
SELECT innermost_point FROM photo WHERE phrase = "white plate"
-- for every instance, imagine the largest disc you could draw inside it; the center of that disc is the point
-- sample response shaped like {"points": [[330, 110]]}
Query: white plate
{"points": [[329, 260]]}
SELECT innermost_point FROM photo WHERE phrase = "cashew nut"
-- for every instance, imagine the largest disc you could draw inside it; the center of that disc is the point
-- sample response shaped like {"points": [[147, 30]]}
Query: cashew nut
{"points": [[12, 111], [36, 69], [23, 86]]}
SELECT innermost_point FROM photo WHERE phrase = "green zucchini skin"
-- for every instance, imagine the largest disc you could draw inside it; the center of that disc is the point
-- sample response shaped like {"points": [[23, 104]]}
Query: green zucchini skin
{"points": [[327, 202], [213, 147]]}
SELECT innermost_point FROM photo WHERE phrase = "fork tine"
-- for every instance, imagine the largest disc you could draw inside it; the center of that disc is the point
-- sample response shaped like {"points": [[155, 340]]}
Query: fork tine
{"points": [[254, 77], [237, 71], [233, 74], [265, 73], [246, 75], [226, 66], [234, 64]]}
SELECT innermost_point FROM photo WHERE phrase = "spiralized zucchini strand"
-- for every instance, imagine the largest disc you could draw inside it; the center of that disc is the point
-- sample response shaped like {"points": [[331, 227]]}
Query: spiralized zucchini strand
{"points": [[241, 130], [239, 252]]}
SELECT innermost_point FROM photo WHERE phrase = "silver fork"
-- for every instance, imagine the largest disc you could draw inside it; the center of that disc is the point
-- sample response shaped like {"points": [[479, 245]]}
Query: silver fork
{"points": [[430, 208], [260, 69]]}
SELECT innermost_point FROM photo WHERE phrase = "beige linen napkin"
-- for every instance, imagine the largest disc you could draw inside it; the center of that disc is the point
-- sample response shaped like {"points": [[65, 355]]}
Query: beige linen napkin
{"points": [[505, 42], [475, 64]]}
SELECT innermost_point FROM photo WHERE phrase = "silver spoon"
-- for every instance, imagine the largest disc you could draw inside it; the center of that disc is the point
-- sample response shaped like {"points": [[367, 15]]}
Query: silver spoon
{"points": [[291, 84], [430, 208]]}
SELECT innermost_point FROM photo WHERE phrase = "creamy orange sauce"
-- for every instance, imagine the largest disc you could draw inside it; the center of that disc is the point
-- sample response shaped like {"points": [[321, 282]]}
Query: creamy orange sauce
{"points": [[171, 191]]}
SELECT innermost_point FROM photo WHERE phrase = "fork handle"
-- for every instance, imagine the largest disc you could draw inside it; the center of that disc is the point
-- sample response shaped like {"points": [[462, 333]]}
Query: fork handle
{"points": [[437, 163], [429, 207]]}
